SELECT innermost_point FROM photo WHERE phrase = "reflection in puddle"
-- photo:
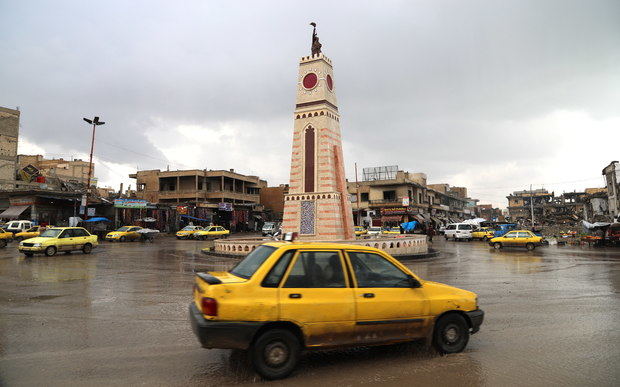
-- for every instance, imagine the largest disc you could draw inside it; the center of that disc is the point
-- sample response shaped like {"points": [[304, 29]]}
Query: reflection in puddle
{"points": [[57, 269]]}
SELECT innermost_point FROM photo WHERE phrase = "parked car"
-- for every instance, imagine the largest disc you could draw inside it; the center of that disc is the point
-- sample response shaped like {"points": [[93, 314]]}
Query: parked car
{"points": [[519, 238], [483, 233], [188, 232], [359, 231], [5, 237], [270, 228], [459, 231], [125, 233], [16, 226], [374, 230], [324, 295], [56, 239], [212, 231], [30, 233]]}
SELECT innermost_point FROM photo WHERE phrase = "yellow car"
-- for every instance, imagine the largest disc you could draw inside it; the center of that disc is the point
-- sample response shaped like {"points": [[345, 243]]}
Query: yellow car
{"points": [[5, 237], [125, 233], [359, 231], [30, 233], [212, 231], [57, 239], [285, 297], [484, 233], [188, 232], [391, 231], [520, 238]]}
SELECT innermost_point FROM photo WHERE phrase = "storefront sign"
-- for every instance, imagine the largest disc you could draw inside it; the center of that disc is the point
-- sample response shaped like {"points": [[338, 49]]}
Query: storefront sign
{"points": [[225, 206], [22, 201], [130, 203], [393, 211], [182, 210], [405, 202], [91, 211]]}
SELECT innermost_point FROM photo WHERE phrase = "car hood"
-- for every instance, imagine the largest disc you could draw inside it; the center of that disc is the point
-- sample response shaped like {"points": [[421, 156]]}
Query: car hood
{"points": [[439, 289], [115, 233], [37, 240]]}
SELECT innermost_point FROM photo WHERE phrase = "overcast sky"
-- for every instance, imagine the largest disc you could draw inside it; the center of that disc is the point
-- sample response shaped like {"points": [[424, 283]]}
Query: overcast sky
{"points": [[492, 95]]}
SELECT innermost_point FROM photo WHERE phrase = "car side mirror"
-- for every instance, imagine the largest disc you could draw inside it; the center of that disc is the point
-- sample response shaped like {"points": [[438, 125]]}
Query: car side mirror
{"points": [[414, 283]]}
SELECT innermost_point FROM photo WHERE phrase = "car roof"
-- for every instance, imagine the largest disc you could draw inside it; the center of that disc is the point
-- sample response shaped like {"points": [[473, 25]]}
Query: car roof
{"points": [[320, 245], [64, 228]]}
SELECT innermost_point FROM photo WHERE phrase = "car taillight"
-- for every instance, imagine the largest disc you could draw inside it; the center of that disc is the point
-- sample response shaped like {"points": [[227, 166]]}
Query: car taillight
{"points": [[209, 306]]}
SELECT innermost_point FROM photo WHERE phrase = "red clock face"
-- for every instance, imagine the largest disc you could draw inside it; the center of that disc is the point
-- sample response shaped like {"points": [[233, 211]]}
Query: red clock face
{"points": [[310, 80], [330, 82]]}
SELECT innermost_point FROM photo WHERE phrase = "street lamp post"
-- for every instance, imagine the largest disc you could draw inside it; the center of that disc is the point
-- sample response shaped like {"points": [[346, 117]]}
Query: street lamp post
{"points": [[94, 122]]}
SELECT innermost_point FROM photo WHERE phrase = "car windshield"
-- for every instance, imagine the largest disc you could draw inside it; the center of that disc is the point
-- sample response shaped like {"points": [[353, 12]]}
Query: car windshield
{"points": [[375, 229], [248, 266], [124, 228], [187, 228], [51, 233]]}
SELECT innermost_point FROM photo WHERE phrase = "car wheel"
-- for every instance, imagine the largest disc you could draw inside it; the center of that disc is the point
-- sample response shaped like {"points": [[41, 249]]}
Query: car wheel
{"points": [[122, 239], [530, 246], [451, 334], [486, 238], [28, 254], [50, 251], [497, 245], [445, 236], [87, 248], [3, 243], [275, 354]]}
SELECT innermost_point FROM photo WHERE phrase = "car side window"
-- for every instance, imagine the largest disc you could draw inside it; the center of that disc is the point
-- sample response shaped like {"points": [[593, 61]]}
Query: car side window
{"points": [[79, 232], [66, 234], [272, 280], [316, 269], [374, 271], [511, 235], [451, 227], [524, 235]]}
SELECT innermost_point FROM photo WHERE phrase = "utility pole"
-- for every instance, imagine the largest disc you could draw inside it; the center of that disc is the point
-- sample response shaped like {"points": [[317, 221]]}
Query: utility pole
{"points": [[532, 205], [94, 122], [357, 188]]}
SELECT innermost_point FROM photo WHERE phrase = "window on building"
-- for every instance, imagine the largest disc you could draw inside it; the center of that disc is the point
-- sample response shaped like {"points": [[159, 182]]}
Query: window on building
{"points": [[389, 195], [200, 185], [364, 197], [141, 187], [420, 197]]}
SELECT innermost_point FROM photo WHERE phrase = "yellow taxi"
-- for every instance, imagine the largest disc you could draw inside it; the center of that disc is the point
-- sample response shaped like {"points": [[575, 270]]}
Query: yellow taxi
{"points": [[484, 233], [519, 238], [359, 231], [56, 239], [212, 231], [188, 232], [392, 230], [5, 237], [286, 297], [30, 233], [125, 233]]}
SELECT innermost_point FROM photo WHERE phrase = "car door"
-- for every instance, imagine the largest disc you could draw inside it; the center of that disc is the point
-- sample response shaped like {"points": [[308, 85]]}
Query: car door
{"points": [[80, 237], [66, 240], [387, 307], [523, 237], [133, 235], [510, 239], [315, 294]]}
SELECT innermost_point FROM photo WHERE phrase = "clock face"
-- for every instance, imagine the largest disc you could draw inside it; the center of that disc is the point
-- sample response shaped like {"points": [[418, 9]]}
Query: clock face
{"points": [[310, 81], [330, 82]]}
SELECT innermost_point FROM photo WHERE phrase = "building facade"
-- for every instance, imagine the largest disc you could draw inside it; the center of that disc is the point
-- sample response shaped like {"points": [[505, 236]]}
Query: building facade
{"points": [[68, 170], [612, 181], [9, 135]]}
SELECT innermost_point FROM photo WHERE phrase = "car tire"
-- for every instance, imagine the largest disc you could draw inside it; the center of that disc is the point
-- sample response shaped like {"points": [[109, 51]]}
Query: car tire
{"points": [[3, 243], [497, 245], [28, 255], [275, 353], [122, 239], [87, 248], [530, 246], [486, 238], [445, 236], [451, 334], [50, 251]]}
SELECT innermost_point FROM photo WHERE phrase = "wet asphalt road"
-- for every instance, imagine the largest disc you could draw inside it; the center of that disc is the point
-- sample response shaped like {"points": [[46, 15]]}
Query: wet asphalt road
{"points": [[119, 317]]}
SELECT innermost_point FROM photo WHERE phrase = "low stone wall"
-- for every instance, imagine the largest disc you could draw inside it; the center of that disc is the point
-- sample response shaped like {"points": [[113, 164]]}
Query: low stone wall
{"points": [[396, 245]]}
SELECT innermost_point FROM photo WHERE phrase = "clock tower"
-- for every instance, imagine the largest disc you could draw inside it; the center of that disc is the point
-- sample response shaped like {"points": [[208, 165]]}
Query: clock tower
{"points": [[317, 205]]}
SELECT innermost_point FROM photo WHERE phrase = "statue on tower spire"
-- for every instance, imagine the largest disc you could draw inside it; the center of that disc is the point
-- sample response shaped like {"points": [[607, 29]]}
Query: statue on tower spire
{"points": [[316, 45]]}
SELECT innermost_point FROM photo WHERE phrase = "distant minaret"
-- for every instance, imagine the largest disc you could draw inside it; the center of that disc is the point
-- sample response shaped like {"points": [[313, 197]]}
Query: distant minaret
{"points": [[317, 206]]}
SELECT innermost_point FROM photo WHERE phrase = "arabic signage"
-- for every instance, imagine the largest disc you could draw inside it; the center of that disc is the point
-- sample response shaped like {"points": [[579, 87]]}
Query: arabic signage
{"points": [[225, 206], [393, 211], [130, 203], [22, 201]]}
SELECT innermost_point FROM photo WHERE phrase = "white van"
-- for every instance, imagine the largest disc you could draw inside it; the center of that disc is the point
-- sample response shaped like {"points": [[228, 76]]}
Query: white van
{"points": [[459, 231], [16, 226]]}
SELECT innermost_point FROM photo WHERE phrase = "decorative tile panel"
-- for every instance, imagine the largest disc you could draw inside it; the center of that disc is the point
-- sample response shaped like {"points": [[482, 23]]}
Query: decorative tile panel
{"points": [[307, 217]]}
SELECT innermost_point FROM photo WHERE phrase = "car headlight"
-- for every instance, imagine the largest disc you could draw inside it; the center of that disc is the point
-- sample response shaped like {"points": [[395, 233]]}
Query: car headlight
{"points": [[36, 245]]}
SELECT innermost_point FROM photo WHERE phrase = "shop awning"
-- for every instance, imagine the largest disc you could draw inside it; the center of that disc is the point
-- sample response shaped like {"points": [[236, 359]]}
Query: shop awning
{"points": [[419, 218], [13, 212], [194, 218], [97, 219]]}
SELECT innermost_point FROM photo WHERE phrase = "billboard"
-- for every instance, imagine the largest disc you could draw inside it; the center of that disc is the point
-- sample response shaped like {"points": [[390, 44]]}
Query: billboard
{"points": [[130, 203], [380, 173]]}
